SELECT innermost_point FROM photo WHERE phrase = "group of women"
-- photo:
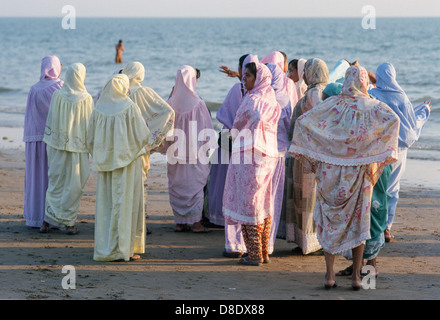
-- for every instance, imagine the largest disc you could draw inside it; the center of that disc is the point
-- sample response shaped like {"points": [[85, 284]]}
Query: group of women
{"points": [[339, 137], [128, 122], [320, 142]]}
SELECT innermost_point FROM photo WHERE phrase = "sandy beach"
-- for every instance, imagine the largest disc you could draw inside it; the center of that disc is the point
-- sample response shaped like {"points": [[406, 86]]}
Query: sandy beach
{"points": [[188, 266]]}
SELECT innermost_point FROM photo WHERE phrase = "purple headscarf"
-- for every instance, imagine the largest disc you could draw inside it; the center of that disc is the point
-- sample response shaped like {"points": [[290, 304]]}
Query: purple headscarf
{"points": [[39, 98]]}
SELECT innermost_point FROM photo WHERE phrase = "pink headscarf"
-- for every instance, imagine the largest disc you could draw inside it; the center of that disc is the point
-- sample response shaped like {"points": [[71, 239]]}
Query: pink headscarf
{"points": [[275, 57], [259, 113], [189, 109], [250, 58], [184, 97]]}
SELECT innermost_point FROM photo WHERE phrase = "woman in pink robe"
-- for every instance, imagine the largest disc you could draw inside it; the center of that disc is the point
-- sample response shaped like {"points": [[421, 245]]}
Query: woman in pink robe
{"points": [[36, 172], [248, 198]]}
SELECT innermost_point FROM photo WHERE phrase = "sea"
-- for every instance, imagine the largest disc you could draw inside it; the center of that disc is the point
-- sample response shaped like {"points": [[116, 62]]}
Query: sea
{"points": [[162, 45]]}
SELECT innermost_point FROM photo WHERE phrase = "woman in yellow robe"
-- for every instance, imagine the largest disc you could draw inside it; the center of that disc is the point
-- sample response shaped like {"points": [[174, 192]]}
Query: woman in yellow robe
{"points": [[116, 140], [68, 158]]}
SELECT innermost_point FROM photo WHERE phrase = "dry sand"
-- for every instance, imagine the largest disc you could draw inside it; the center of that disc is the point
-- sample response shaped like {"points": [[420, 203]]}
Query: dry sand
{"points": [[187, 266]]}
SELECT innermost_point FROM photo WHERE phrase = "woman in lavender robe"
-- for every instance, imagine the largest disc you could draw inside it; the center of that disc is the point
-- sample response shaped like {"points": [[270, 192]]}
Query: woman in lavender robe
{"points": [[36, 170], [187, 173]]}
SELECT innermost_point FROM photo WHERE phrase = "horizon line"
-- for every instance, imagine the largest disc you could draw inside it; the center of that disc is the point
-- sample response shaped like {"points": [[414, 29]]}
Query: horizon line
{"points": [[223, 17]]}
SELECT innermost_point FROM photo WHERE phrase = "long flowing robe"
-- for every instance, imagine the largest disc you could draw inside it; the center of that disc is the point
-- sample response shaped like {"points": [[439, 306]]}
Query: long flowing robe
{"points": [[412, 121], [233, 236], [247, 199], [116, 138], [36, 170], [286, 96], [157, 113], [68, 157], [187, 174], [300, 190], [347, 140], [219, 169]]}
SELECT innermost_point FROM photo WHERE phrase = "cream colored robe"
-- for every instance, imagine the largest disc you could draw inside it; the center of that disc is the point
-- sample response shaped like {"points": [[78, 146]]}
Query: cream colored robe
{"points": [[68, 158], [118, 134]]}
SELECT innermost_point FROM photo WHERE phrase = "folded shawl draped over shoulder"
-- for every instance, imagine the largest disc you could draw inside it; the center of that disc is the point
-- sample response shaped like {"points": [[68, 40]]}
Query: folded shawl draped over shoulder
{"points": [[412, 119], [349, 129], [39, 98], [158, 114], [69, 113], [117, 132]]}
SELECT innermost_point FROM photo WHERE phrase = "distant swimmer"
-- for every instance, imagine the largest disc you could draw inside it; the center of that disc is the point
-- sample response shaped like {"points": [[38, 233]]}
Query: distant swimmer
{"points": [[119, 49]]}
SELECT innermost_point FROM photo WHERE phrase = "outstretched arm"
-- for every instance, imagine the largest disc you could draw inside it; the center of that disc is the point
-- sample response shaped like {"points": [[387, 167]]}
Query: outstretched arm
{"points": [[229, 72]]}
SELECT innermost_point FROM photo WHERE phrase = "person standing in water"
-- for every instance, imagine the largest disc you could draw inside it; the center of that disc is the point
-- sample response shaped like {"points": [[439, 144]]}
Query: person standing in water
{"points": [[119, 49]]}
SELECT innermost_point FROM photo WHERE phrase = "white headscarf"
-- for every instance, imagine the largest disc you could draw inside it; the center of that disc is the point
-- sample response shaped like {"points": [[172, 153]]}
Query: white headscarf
{"points": [[157, 113], [114, 97], [69, 113], [74, 88], [117, 131]]}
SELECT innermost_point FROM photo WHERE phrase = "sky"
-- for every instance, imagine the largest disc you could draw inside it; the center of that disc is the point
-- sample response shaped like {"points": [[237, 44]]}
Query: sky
{"points": [[220, 8]]}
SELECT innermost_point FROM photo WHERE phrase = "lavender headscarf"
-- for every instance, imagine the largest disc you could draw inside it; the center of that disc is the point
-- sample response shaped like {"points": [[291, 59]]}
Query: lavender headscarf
{"points": [[39, 98]]}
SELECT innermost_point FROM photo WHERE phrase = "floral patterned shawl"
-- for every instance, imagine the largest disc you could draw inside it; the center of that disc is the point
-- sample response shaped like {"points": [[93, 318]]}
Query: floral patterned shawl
{"points": [[259, 113], [348, 129]]}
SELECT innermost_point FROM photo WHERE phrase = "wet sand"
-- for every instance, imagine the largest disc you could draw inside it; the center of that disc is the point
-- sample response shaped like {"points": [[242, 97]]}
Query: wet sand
{"points": [[188, 266]]}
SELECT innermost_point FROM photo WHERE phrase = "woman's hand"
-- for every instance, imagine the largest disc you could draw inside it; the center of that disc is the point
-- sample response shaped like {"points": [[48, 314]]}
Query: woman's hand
{"points": [[228, 72], [429, 104]]}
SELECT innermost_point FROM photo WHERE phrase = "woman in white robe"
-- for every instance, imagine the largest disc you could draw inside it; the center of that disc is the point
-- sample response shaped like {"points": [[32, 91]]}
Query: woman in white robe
{"points": [[68, 158], [116, 138]]}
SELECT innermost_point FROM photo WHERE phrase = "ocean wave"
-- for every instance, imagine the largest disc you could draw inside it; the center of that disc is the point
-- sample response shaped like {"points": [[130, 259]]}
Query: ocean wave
{"points": [[424, 158], [3, 89]]}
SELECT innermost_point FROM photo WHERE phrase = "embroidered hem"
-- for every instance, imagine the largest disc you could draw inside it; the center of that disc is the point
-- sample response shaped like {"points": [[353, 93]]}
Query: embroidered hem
{"points": [[300, 151]]}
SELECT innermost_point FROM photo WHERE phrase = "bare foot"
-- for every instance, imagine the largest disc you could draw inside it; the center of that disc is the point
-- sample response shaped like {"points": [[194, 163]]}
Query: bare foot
{"points": [[199, 228], [72, 231], [330, 281], [45, 228]]}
